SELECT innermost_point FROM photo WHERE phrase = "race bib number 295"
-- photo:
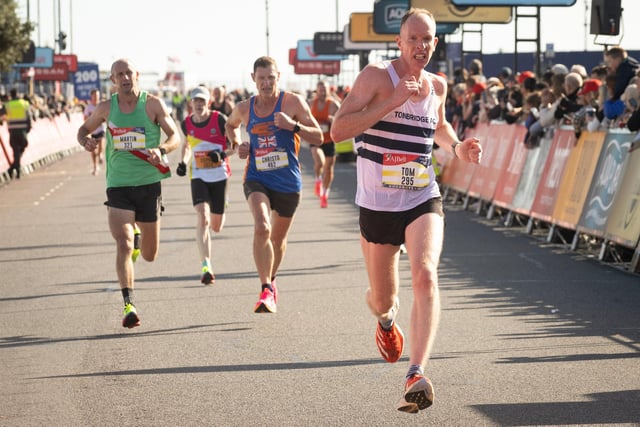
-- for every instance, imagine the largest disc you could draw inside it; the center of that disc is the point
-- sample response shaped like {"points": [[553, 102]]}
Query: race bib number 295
{"points": [[406, 171]]}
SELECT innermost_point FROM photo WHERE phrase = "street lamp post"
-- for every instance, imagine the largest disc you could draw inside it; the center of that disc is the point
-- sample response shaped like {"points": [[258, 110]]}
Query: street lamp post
{"points": [[266, 6]]}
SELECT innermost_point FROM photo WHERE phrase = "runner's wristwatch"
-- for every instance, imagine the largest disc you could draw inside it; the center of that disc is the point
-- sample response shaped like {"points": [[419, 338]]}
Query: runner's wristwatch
{"points": [[453, 148]]}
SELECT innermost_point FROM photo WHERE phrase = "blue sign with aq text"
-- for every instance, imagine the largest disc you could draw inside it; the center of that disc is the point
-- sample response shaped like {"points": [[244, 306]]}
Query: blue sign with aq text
{"points": [[387, 15], [513, 2]]}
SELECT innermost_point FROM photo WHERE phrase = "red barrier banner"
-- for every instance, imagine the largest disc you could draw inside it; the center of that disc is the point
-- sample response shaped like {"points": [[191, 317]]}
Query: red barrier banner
{"points": [[531, 174], [448, 172], [510, 177], [49, 136], [6, 155], [563, 142], [42, 136], [605, 183], [458, 174], [576, 179], [623, 224], [497, 147], [441, 160]]}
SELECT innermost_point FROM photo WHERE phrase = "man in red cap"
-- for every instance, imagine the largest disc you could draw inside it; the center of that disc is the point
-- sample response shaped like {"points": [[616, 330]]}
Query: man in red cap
{"points": [[589, 92], [524, 75], [588, 117]]}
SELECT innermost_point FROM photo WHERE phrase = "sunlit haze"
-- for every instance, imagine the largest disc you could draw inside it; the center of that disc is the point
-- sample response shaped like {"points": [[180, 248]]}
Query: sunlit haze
{"points": [[216, 42]]}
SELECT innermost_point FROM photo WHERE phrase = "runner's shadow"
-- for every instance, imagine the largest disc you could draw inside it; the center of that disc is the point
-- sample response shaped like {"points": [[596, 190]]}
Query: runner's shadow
{"points": [[26, 340], [618, 407]]}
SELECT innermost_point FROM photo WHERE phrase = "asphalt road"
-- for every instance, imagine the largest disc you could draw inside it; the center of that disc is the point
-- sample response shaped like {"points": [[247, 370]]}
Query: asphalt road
{"points": [[530, 334]]}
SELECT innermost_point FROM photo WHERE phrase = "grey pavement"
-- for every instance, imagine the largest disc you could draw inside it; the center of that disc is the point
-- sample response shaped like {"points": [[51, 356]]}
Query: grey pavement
{"points": [[530, 333]]}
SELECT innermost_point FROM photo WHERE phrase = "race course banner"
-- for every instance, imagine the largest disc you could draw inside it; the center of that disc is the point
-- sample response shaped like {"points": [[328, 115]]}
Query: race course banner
{"points": [[508, 183], [576, 179], [563, 142], [605, 183], [623, 225]]}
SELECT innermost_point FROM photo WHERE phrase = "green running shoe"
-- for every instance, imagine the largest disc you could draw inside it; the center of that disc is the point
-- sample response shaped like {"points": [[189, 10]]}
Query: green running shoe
{"points": [[130, 319]]}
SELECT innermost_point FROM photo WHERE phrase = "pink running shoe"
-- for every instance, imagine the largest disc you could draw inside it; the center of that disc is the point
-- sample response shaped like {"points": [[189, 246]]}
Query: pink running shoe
{"points": [[266, 303], [318, 188], [275, 291], [324, 201]]}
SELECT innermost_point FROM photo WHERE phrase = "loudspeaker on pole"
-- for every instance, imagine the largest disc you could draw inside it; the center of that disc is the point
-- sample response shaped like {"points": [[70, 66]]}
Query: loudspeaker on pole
{"points": [[605, 17]]}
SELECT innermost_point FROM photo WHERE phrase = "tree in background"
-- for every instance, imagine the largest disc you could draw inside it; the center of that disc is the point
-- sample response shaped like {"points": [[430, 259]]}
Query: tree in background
{"points": [[14, 35]]}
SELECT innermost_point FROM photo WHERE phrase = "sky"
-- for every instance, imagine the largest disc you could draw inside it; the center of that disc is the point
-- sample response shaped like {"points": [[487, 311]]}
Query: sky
{"points": [[216, 42]]}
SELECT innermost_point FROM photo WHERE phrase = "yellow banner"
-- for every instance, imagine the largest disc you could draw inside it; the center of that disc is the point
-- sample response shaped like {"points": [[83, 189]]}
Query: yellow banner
{"points": [[576, 179], [361, 28], [446, 12]]}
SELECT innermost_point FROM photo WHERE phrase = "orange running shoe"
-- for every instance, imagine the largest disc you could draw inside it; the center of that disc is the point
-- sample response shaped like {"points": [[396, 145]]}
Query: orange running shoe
{"points": [[418, 394], [390, 343], [324, 201]]}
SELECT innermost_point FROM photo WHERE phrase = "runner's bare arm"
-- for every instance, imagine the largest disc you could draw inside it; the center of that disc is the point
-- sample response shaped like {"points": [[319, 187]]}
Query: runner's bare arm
{"points": [[301, 115], [238, 116], [158, 112], [99, 116], [369, 100]]}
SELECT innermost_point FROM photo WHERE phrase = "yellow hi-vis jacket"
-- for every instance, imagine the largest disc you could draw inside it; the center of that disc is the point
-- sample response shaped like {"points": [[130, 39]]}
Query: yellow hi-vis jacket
{"points": [[17, 114]]}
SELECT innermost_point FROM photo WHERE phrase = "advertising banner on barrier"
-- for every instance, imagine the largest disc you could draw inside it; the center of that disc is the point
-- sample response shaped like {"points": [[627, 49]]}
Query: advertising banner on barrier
{"points": [[458, 173], [606, 180], [496, 150], [623, 224], [448, 172], [510, 177], [441, 160], [546, 194], [576, 179], [52, 136], [530, 177], [6, 155]]}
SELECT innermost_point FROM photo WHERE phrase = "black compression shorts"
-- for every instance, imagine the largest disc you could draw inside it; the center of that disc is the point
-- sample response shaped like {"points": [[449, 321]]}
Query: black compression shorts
{"points": [[389, 227]]}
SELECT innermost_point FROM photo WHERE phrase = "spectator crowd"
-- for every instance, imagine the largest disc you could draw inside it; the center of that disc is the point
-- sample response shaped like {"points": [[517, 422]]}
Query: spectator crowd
{"points": [[604, 97]]}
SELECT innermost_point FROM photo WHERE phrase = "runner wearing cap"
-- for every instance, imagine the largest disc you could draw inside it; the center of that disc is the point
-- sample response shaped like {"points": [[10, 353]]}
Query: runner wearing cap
{"points": [[205, 149]]}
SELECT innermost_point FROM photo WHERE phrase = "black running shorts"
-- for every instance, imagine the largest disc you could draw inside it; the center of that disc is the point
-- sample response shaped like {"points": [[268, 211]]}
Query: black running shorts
{"points": [[213, 193], [389, 227], [144, 200], [329, 149], [283, 203]]}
